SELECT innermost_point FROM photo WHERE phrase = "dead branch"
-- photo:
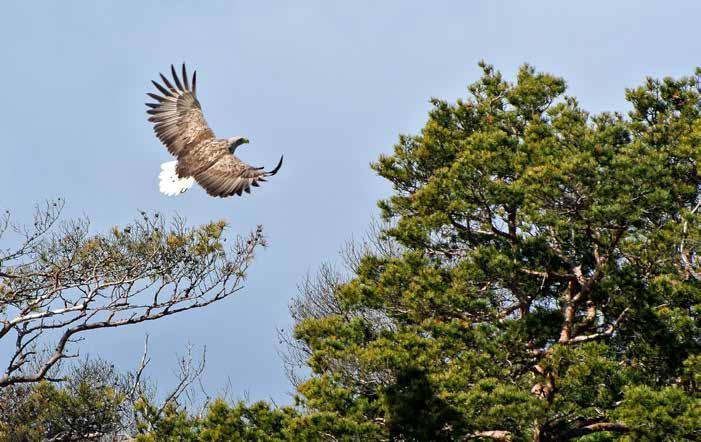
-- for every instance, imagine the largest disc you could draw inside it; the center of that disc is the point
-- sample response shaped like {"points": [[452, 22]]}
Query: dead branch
{"points": [[689, 258], [491, 434], [595, 428]]}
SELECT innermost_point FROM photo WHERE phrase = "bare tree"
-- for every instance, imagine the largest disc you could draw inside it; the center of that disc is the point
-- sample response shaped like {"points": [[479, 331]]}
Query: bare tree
{"points": [[145, 407], [317, 297], [59, 281]]}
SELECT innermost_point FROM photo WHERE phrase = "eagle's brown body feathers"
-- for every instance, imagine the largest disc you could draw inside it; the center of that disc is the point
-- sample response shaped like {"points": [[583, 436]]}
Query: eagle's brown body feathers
{"points": [[180, 125]]}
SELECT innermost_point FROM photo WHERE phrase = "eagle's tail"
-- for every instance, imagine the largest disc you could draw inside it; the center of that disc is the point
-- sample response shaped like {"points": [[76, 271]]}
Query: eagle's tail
{"points": [[170, 183]]}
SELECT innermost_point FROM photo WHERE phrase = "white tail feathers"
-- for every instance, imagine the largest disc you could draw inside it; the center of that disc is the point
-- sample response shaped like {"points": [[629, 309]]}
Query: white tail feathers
{"points": [[170, 183]]}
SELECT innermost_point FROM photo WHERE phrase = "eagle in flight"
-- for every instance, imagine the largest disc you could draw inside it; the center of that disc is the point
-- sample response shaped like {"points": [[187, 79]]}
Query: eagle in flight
{"points": [[180, 125]]}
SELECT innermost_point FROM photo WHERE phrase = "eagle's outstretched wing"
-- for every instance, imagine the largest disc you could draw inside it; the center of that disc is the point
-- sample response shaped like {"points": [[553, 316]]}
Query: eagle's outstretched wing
{"points": [[230, 176], [178, 118]]}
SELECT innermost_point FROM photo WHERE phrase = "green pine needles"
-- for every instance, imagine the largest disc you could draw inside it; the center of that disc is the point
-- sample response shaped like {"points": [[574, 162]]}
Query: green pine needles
{"points": [[547, 286]]}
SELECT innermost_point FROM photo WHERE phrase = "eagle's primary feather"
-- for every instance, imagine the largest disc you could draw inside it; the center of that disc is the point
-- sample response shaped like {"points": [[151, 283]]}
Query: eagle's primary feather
{"points": [[180, 125]]}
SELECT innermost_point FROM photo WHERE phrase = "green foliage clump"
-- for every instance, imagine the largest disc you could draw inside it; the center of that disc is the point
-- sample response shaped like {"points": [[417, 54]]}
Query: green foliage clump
{"points": [[546, 285], [88, 404], [220, 422]]}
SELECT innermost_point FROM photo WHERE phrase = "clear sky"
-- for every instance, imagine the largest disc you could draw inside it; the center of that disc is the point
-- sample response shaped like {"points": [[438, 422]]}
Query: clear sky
{"points": [[328, 84]]}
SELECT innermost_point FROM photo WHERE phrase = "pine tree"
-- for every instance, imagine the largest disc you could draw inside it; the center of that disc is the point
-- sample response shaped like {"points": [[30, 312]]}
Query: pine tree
{"points": [[547, 286]]}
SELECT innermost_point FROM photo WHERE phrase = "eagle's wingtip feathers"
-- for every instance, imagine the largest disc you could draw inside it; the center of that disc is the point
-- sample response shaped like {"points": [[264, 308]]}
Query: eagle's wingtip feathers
{"points": [[279, 165]]}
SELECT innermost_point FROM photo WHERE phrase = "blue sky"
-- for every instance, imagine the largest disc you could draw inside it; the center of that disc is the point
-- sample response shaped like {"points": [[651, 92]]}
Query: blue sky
{"points": [[328, 84]]}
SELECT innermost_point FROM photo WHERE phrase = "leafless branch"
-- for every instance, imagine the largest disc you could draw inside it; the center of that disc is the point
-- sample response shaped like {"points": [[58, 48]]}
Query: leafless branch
{"points": [[136, 382], [595, 428], [188, 373], [689, 256], [491, 434]]}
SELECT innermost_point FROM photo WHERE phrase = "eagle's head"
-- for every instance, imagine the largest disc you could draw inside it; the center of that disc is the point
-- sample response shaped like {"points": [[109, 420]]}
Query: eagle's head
{"points": [[235, 142]]}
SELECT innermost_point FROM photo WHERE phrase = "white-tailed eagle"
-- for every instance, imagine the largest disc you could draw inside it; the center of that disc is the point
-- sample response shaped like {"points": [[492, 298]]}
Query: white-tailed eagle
{"points": [[180, 125]]}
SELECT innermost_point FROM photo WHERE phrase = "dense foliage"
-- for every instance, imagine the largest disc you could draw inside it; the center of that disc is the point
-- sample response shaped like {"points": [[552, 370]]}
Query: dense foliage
{"points": [[90, 403], [221, 422], [547, 287]]}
